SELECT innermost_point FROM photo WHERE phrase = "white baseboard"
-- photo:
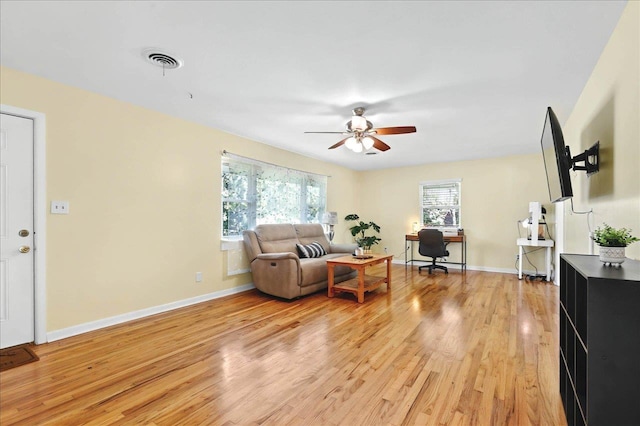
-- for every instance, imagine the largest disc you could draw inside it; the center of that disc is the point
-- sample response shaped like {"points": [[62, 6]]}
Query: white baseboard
{"points": [[469, 267], [130, 316], [491, 269]]}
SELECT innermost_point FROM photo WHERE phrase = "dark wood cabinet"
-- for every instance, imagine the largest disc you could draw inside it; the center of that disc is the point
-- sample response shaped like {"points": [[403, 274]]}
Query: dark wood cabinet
{"points": [[599, 341]]}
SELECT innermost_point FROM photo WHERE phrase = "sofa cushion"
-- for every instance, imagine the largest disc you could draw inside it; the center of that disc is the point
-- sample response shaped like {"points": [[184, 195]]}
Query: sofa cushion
{"points": [[312, 250], [277, 238], [314, 271], [310, 232]]}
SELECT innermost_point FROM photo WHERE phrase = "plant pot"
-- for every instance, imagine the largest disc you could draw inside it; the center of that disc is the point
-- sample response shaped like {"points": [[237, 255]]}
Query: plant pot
{"points": [[612, 255]]}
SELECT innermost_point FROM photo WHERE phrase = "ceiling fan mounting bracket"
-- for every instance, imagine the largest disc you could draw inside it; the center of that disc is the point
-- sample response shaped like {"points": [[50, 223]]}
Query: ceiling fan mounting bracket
{"points": [[359, 111]]}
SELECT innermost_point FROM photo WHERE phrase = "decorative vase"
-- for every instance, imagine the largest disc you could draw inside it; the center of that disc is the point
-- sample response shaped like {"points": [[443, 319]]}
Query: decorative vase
{"points": [[612, 255]]}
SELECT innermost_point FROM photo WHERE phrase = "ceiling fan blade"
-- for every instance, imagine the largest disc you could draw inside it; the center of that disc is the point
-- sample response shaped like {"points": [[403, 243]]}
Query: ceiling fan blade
{"points": [[333, 133], [395, 130], [338, 144], [378, 144]]}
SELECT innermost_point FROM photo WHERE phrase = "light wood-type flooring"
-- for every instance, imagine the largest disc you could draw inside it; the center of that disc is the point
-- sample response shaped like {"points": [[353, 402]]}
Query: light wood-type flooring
{"points": [[460, 349]]}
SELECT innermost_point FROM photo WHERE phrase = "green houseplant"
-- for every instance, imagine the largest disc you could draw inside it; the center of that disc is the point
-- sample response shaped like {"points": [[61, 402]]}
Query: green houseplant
{"points": [[612, 243], [358, 231]]}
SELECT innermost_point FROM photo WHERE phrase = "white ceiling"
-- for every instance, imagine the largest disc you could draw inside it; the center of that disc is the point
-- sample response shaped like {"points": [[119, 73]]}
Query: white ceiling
{"points": [[474, 77]]}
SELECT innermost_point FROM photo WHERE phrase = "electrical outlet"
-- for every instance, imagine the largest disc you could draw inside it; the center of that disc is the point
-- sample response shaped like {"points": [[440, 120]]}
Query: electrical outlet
{"points": [[198, 277], [59, 207]]}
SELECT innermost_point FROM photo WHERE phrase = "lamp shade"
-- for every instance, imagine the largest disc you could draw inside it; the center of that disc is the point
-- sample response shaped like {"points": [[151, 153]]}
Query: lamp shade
{"points": [[330, 218], [367, 142], [351, 143]]}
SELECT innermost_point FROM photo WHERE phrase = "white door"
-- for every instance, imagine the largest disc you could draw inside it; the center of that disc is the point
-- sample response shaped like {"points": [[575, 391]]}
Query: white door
{"points": [[16, 231]]}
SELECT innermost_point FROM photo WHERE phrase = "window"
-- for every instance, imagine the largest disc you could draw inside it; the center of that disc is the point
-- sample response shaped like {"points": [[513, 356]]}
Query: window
{"points": [[254, 193], [440, 203]]}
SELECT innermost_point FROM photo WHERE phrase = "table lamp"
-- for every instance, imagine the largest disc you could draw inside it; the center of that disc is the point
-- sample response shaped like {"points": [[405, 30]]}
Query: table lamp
{"points": [[330, 219]]}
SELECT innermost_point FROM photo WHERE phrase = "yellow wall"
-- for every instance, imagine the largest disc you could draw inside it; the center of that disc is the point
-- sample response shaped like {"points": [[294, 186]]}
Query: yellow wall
{"points": [[608, 110], [495, 195], [144, 195]]}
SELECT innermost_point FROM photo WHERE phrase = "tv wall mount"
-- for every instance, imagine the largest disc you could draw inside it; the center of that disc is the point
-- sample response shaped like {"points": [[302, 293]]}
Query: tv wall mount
{"points": [[590, 159]]}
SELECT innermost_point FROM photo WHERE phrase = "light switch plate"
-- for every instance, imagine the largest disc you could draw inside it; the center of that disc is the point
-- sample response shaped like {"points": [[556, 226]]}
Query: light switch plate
{"points": [[59, 207]]}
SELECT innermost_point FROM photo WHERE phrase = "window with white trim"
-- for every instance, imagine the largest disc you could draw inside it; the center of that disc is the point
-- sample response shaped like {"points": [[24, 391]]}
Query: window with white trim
{"points": [[440, 203], [254, 193]]}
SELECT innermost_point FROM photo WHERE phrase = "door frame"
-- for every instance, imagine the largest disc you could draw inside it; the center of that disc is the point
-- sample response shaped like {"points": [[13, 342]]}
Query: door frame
{"points": [[39, 216]]}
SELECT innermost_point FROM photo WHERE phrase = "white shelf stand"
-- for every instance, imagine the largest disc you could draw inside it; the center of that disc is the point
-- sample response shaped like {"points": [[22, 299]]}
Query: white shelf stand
{"points": [[525, 242]]}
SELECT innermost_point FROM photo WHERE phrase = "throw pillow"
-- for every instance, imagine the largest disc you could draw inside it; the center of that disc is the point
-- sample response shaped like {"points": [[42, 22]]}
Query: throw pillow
{"points": [[314, 249]]}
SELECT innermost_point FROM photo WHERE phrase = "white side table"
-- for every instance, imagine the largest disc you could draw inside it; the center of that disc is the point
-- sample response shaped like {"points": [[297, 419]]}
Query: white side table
{"points": [[522, 242]]}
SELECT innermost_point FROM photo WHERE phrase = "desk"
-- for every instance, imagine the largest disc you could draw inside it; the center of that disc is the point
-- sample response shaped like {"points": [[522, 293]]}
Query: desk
{"points": [[525, 242], [460, 238]]}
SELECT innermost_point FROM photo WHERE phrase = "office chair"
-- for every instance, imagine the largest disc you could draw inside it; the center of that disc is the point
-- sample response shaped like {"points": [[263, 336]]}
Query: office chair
{"points": [[432, 245]]}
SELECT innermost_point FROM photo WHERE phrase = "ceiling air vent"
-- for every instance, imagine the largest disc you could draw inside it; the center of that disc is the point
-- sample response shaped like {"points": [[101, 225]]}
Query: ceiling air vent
{"points": [[161, 59]]}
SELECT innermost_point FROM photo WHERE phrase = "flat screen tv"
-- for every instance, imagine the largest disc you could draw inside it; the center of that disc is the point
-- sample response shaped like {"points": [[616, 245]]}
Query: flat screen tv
{"points": [[557, 159]]}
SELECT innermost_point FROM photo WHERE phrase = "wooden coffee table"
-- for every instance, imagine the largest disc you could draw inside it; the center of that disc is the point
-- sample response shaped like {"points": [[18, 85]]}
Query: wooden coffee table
{"points": [[363, 282]]}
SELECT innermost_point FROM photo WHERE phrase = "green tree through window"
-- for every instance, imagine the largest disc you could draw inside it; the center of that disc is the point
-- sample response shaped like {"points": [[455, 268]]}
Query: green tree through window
{"points": [[254, 193]]}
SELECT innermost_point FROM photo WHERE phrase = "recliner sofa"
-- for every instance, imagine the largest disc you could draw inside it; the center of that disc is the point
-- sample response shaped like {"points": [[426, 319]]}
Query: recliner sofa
{"points": [[277, 267]]}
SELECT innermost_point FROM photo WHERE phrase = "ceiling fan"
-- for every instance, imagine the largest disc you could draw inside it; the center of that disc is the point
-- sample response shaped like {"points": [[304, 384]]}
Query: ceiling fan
{"points": [[360, 133]]}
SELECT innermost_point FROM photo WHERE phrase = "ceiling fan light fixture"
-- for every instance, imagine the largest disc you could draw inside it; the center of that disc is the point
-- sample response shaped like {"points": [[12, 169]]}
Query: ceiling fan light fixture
{"points": [[351, 143], [358, 147], [367, 142]]}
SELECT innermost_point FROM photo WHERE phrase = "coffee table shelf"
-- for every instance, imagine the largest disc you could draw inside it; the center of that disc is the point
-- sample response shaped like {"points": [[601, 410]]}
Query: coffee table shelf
{"points": [[370, 283]]}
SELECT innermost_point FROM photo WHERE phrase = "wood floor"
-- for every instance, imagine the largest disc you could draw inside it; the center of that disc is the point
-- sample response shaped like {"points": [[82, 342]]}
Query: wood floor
{"points": [[459, 349]]}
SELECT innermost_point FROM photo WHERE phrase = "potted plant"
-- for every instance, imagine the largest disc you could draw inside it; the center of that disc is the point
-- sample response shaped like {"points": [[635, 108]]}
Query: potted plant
{"points": [[358, 232], [612, 243]]}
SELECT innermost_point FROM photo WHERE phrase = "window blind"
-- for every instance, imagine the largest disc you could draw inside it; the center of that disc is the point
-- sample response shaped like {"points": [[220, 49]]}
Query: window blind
{"points": [[447, 194]]}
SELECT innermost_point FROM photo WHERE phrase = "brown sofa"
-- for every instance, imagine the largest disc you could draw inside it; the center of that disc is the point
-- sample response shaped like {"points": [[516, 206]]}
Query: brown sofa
{"points": [[278, 270]]}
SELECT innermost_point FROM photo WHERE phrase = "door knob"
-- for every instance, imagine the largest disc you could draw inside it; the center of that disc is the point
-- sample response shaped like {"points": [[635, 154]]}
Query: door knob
{"points": [[24, 249], [23, 233]]}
